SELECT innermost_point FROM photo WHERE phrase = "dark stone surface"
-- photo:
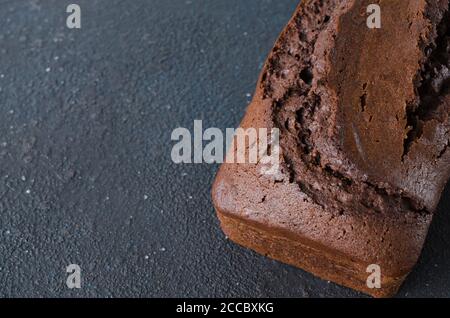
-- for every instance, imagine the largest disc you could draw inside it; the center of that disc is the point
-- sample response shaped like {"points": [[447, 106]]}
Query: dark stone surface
{"points": [[86, 175]]}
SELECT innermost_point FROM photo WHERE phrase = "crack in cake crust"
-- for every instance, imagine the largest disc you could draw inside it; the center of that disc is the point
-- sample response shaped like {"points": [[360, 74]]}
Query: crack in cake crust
{"points": [[433, 79], [289, 82]]}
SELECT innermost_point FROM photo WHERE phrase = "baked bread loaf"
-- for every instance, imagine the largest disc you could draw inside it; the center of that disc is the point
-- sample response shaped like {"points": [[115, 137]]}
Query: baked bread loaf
{"points": [[364, 125]]}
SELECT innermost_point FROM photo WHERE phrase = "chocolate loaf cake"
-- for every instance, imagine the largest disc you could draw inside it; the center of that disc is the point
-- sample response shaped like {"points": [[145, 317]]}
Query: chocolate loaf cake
{"points": [[363, 116]]}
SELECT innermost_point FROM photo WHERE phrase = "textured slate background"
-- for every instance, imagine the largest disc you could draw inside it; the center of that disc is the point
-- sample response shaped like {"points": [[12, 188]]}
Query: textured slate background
{"points": [[86, 176]]}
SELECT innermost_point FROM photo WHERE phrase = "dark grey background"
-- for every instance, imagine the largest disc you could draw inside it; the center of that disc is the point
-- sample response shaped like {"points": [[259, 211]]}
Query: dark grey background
{"points": [[86, 176]]}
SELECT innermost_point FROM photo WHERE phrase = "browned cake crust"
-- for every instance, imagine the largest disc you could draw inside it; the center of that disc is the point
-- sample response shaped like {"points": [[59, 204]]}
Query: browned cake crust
{"points": [[364, 134]]}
